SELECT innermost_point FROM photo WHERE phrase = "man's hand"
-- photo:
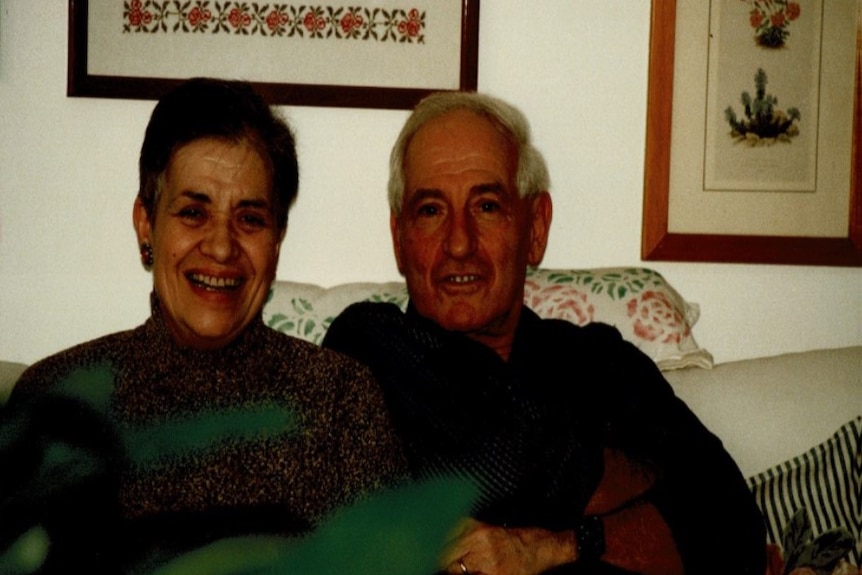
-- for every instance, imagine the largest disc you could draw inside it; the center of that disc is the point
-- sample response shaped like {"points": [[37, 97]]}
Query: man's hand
{"points": [[485, 549]]}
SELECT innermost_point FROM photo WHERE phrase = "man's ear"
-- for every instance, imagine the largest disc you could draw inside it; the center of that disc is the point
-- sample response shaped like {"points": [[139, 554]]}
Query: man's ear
{"points": [[396, 243], [542, 212], [141, 221]]}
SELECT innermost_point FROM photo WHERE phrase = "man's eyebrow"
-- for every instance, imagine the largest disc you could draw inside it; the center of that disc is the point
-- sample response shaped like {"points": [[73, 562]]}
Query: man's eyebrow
{"points": [[422, 194], [489, 188]]}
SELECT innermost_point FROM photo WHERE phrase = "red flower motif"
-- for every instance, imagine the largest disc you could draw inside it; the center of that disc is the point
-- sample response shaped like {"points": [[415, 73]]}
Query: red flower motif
{"points": [[198, 16], [777, 19], [793, 11], [756, 18], [238, 19], [313, 23], [276, 20], [137, 17], [655, 318], [412, 26], [351, 22], [559, 302]]}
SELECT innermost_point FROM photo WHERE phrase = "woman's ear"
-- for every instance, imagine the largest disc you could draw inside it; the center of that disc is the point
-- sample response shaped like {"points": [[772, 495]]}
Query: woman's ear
{"points": [[141, 221]]}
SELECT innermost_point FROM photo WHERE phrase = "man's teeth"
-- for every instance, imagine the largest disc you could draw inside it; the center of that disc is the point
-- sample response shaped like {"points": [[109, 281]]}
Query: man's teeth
{"points": [[214, 282], [463, 279]]}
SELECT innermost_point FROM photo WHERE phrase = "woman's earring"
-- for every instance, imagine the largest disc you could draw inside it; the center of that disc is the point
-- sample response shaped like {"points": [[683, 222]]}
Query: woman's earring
{"points": [[147, 255]]}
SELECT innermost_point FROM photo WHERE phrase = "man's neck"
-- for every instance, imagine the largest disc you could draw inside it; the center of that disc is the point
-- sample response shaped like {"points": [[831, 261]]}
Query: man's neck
{"points": [[500, 344]]}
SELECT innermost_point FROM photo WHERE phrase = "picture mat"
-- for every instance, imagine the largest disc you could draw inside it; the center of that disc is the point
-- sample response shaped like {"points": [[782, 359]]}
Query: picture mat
{"points": [[433, 64], [793, 77], [824, 213]]}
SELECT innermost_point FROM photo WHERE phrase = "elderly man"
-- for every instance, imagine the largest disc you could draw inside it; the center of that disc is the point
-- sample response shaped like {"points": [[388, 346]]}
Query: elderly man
{"points": [[584, 458]]}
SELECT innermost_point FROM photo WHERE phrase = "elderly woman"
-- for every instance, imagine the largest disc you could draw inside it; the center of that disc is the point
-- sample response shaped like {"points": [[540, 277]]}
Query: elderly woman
{"points": [[224, 426]]}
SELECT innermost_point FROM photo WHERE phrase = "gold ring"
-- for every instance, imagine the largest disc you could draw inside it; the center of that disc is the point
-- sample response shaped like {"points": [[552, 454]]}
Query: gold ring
{"points": [[463, 567]]}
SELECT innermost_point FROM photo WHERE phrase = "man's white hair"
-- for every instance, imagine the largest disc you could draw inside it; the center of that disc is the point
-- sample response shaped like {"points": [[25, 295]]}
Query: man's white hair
{"points": [[532, 172]]}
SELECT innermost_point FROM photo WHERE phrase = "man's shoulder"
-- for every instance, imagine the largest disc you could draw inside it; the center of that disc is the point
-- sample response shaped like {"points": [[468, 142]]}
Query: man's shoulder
{"points": [[370, 312], [564, 331], [362, 320]]}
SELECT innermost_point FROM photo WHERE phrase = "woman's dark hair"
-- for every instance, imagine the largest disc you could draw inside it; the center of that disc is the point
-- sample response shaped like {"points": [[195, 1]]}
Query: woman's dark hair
{"points": [[222, 109]]}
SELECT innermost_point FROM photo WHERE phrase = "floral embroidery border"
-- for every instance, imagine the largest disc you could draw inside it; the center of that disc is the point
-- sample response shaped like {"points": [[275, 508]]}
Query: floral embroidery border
{"points": [[274, 20]]}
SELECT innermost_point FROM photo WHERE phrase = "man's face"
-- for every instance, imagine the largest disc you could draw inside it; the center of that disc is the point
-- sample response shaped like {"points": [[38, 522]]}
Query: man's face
{"points": [[464, 237], [215, 241]]}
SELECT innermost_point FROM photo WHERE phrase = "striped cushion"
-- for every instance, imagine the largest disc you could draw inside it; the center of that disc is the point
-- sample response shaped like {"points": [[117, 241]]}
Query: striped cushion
{"points": [[826, 481]]}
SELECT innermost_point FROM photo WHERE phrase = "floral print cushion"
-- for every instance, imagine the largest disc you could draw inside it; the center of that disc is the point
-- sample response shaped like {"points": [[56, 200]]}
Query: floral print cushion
{"points": [[637, 301]]}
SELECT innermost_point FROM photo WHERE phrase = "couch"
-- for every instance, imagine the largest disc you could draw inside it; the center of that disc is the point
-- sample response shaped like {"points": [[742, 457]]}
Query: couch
{"points": [[793, 422]]}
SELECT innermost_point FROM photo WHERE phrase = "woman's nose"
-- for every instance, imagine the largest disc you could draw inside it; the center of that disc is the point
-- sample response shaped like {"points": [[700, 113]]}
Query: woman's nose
{"points": [[219, 243]]}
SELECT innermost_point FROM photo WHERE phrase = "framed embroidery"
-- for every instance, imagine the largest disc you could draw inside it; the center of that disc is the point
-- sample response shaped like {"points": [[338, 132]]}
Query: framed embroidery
{"points": [[364, 54]]}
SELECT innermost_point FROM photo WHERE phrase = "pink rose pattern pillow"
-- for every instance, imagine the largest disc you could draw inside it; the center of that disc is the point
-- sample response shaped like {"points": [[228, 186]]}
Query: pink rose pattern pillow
{"points": [[637, 301]]}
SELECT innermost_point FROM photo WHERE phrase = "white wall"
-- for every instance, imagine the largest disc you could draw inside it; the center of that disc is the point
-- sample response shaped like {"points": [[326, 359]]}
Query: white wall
{"points": [[68, 261]]}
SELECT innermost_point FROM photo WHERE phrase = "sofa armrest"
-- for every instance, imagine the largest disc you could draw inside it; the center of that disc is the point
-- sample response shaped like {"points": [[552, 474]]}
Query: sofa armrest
{"points": [[9, 374], [769, 409]]}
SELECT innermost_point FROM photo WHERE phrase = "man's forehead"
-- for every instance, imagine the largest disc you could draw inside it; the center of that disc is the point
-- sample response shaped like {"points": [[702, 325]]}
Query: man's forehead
{"points": [[460, 142]]}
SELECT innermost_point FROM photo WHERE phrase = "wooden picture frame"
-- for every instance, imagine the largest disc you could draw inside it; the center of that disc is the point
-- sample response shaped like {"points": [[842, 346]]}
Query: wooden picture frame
{"points": [[334, 40], [660, 243]]}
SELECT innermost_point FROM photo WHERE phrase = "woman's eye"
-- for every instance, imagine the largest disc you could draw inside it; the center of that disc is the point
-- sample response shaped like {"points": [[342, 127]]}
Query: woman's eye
{"points": [[254, 221], [191, 214]]}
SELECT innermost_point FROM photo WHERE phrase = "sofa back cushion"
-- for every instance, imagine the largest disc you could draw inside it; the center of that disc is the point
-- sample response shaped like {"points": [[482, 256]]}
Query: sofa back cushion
{"points": [[637, 301]]}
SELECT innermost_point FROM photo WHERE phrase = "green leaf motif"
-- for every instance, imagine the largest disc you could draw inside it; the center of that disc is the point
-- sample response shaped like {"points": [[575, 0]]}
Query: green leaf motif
{"points": [[820, 554], [309, 327]]}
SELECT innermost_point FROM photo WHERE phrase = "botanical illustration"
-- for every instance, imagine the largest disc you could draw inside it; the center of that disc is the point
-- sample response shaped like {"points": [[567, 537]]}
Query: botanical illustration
{"points": [[763, 122], [771, 19]]}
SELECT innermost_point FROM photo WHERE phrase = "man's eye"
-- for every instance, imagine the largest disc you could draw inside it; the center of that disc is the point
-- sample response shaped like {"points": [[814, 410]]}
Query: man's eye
{"points": [[489, 206], [427, 210]]}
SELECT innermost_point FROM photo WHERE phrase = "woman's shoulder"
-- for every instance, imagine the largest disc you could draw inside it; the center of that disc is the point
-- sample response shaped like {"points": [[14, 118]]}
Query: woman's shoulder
{"points": [[102, 352], [287, 352]]}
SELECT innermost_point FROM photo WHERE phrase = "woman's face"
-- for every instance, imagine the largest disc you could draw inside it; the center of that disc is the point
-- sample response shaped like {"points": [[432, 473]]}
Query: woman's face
{"points": [[215, 241]]}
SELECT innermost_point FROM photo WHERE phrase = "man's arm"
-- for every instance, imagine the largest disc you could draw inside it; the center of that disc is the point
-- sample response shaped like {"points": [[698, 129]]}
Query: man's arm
{"points": [[636, 537]]}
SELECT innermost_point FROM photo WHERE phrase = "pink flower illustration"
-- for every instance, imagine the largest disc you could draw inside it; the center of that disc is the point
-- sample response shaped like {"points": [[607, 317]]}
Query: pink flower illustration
{"points": [[793, 10], [756, 18]]}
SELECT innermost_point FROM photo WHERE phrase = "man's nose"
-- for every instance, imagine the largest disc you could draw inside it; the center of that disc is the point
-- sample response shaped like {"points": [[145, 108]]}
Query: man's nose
{"points": [[460, 236]]}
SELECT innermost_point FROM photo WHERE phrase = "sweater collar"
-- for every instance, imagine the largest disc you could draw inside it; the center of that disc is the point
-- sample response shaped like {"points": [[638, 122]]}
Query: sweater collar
{"points": [[159, 334]]}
